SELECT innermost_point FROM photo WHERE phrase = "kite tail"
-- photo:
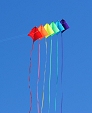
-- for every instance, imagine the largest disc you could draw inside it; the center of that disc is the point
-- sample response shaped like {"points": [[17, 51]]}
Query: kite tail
{"points": [[38, 104], [61, 102], [62, 71], [44, 77], [50, 72], [29, 78], [57, 78]]}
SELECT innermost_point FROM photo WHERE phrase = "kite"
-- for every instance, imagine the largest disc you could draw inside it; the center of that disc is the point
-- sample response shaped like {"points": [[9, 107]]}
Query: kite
{"points": [[48, 30], [39, 33]]}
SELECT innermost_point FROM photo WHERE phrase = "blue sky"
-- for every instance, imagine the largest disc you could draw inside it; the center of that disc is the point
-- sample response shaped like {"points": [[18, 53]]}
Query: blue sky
{"points": [[16, 20]]}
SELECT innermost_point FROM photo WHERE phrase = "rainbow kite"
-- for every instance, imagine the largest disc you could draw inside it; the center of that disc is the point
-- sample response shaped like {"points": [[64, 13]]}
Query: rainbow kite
{"points": [[38, 33], [48, 30]]}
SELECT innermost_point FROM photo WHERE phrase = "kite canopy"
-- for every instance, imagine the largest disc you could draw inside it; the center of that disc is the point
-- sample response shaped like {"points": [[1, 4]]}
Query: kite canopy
{"points": [[48, 30], [42, 31], [65, 25], [54, 28], [59, 25], [35, 34]]}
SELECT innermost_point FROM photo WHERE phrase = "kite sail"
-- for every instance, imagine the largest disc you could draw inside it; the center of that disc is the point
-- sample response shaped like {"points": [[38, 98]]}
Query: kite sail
{"points": [[38, 33]]}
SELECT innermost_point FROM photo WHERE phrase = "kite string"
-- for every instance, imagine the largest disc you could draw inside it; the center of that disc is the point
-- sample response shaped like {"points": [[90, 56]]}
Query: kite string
{"points": [[62, 71], [44, 77], [38, 104], [12, 38], [56, 78], [29, 77], [50, 72]]}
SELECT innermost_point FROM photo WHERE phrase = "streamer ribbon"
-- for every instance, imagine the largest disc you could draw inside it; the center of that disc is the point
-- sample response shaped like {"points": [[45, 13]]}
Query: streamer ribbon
{"points": [[30, 66], [38, 104], [50, 71], [56, 78], [44, 78], [62, 71]]}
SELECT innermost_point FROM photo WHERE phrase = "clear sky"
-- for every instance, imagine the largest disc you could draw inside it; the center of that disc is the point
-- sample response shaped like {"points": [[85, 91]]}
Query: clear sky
{"points": [[17, 17]]}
